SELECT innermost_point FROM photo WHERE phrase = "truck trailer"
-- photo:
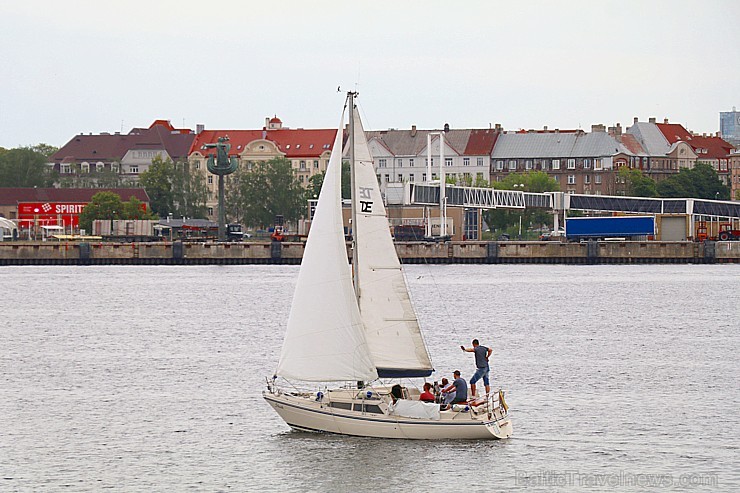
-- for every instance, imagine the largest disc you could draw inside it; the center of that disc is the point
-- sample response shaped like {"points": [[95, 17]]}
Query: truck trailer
{"points": [[602, 228]]}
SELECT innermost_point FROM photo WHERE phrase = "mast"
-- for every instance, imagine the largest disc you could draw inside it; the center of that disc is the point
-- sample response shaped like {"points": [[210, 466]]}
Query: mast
{"points": [[355, 269]]}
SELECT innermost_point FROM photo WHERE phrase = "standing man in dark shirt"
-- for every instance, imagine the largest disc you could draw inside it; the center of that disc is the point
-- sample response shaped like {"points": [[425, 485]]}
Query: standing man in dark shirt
{"points": [[482, 353]]}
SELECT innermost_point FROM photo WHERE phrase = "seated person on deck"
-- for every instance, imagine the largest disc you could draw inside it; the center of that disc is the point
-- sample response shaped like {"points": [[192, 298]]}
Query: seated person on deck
{"points": [[456, 392], [427, 395], [396, 392]]}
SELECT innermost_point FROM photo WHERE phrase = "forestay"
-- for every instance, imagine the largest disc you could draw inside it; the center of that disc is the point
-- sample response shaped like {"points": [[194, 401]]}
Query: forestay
{"points": [[391, 327], [325, 340]]}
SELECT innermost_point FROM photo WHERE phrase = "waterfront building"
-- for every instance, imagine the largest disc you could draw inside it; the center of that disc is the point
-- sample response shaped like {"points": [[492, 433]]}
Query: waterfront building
{"points": [[32, 208], [400, 156], [581, 162], [734, 159], [308, 150], [85, 160], [710, 149], [660, 157]]}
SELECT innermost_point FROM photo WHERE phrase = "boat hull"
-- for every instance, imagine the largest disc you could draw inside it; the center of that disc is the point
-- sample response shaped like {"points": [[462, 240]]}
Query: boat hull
{"points": [[308, 415]]}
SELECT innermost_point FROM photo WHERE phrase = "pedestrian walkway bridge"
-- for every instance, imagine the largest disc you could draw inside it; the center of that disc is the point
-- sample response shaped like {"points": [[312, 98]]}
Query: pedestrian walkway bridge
{"points": [[489, 198]]}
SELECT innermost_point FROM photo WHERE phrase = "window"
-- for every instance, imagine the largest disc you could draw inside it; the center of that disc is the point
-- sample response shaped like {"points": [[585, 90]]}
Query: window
{"points": [[466, 177], [85, 167], [587, 179], [499, 165], [434, 176], [448, 161], [300, 178], [134, 169], [571, 179], [303, 165], [399, 163], [114, 167], [597, 165], [64, 168], [400, 177], [411, 177], [512, 164], [556, 164], [544, 165], [481, 161], [556, 178], [528, 164], [378, 178], [210, 179], [387, 178], [586, 164], [315, 165], [196, 164], [411, 163], [597, 179], [466, 161], [382, 163], [571, 164], [423, 177], [210, 211], [478, 176]]}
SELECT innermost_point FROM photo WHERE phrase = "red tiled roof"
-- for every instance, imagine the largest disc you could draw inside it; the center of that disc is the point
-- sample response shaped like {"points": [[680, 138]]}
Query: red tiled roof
{"points": [[295, 143], [673, 132], [275, 119], [481, 142], [112, 147], [11, 196], [632, 144], [716, 147]]}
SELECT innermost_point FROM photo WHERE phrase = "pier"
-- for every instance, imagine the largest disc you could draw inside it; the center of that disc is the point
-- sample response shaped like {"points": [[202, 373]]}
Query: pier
{"points": [[286, 253]]}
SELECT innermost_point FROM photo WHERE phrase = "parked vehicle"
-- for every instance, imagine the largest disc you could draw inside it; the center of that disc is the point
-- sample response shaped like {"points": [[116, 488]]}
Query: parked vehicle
{"points": [[602, 228]]}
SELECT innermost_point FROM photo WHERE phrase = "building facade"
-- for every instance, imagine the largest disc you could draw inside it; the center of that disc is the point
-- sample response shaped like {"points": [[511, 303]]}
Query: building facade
{"points": [[308, 151], [401, 155], [581, 162], [734, 159], [729, 126], [87, 159]]}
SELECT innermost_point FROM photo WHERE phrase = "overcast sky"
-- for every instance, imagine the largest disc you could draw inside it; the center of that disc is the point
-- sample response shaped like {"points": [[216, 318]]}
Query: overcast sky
{"points": [[71, 66]]}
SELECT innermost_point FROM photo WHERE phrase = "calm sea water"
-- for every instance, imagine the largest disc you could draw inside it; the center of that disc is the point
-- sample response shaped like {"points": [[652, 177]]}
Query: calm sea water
{"points": [[149, 379]]}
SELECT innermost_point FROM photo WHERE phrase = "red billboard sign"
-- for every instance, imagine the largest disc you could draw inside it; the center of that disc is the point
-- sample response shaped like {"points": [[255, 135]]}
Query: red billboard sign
{"points": [[49, 213]]}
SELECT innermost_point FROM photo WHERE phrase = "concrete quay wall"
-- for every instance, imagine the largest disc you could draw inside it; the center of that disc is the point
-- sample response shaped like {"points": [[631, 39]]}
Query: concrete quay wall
{"points": [[179, 253]]}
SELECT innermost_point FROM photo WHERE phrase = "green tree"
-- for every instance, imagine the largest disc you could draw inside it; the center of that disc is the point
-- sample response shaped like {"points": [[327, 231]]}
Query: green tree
{"points": [[134, 209], [636, 184], [103, 205], [23, 168], [267, 189], [701, 182], [45, 150], [173, 189]]}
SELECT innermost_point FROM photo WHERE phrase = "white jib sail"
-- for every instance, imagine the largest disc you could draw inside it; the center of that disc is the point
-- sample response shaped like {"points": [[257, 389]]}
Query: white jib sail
{"points": [[391, 327], [325, 340]]}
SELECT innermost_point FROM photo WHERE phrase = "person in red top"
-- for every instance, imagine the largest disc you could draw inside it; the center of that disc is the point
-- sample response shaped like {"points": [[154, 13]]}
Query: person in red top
{"points": [[427, 395]]}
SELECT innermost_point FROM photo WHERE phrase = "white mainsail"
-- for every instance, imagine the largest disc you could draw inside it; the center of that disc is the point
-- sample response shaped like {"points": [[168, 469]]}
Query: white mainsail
{"points": [[391, 327], [325, 340]]}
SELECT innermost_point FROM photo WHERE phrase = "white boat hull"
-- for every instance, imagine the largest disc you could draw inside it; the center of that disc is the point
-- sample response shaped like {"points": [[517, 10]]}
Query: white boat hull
{"points": [[305, 414]]}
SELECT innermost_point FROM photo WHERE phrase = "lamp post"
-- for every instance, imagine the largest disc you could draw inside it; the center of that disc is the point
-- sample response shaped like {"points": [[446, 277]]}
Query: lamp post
{"points": [[520, 186]]}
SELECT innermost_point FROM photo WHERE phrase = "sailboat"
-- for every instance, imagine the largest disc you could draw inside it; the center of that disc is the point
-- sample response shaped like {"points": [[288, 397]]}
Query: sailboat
{"points": [[352, 331]]}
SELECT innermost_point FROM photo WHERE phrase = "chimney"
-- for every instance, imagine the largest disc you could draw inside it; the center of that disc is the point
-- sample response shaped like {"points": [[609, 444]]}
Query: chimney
{"points": [[447, 127], [598, 128], [264, 132], [635, 120], [665, 120], [199, 128], [267, 121], [413, 130], [544, 128], [498, 127], [651, 119]]}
